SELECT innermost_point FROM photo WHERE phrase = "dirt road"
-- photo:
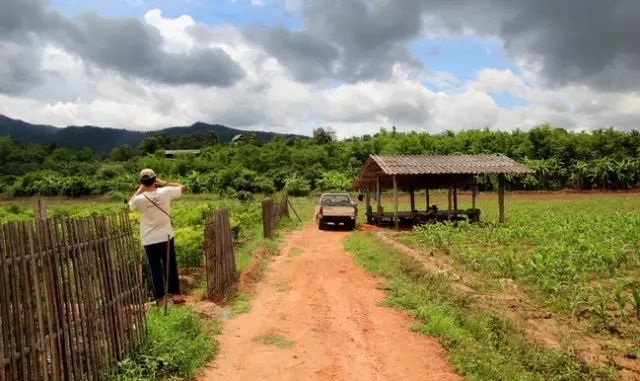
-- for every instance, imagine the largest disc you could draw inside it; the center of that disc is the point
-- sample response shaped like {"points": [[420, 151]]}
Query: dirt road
{"points": [[315, 317]]}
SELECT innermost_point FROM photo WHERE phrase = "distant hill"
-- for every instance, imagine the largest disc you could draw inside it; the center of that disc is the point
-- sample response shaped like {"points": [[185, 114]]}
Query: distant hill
{"points": [[103, 139]]}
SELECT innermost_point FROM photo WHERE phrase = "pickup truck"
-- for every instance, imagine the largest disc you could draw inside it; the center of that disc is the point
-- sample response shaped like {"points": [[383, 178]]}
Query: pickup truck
{"points": [[336, 208]]}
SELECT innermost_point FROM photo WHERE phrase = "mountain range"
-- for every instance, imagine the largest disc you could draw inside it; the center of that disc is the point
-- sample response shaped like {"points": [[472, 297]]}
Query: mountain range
{"points": [[103, 139]]}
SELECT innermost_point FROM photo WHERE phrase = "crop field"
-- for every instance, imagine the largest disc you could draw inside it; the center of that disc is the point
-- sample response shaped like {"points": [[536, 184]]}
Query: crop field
{"points": [[572, 259]]}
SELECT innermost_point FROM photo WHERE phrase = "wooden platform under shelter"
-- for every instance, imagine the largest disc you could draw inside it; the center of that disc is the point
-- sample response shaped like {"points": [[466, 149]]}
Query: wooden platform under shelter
{"points": [[411, 173]]}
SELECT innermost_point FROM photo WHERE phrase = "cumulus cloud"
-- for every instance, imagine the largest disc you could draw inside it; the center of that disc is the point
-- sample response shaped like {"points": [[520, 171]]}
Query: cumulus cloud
{"points": [[576, 41], [346, 40], [124, 45], [347, 68]]}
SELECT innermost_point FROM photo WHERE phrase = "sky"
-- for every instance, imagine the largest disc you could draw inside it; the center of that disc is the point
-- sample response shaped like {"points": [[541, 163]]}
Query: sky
{"points": [[294, 65]]}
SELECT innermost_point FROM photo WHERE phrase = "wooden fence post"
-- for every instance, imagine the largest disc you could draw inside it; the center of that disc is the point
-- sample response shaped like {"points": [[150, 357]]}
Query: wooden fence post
{"points": [[267, 217], [219, 251], [286, 206], [39, 209]]}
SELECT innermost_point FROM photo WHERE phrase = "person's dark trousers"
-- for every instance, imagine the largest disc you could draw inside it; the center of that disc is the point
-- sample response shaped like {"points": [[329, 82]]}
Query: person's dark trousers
{"points": [[157, 256]]}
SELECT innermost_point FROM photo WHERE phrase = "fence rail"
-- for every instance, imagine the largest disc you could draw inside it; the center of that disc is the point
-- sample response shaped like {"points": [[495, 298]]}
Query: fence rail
{"points": [[70, 301], [272, 212], [220, 260]]}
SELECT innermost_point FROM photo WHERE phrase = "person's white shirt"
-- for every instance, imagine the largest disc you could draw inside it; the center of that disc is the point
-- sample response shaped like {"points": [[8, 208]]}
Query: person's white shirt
{"points": [[155, 226]]}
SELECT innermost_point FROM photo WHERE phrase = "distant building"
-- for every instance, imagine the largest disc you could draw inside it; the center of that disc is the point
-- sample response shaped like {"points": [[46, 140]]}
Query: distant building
{"points": [[170, 153]]}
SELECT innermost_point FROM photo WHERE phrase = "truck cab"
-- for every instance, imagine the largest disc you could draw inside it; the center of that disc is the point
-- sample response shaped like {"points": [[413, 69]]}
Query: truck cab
{"points": [[336, 208]]}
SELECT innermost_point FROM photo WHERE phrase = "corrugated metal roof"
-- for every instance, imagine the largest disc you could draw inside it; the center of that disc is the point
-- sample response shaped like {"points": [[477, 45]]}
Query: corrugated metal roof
{"points": [[454, 164], [178, 151]]}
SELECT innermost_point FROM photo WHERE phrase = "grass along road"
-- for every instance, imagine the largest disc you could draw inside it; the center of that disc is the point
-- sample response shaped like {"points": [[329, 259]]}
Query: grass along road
{"points": [[481, 343]]}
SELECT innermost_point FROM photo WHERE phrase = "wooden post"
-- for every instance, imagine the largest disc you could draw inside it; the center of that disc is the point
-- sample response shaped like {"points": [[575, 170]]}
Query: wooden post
{"points": [[368, 198], [166, 278], [501, 185], [396, 223], [473, 193], [368, 205], [285, 205], [449, 211], [455, 197], [412, 196], [426, 199], [378, 197], [39, 209], [267, 217]]}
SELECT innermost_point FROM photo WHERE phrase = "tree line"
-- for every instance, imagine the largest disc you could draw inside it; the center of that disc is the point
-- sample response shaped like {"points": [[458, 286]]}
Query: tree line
{"points": [[604, 159]]}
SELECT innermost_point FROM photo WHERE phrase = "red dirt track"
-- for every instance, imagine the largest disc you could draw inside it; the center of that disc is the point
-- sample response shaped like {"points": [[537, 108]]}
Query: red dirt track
{"points": [[328, 307]]}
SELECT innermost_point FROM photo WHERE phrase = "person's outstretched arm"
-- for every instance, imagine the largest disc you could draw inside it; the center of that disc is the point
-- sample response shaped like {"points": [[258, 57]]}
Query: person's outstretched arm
{"points": [[131, 202], [180, 189]]}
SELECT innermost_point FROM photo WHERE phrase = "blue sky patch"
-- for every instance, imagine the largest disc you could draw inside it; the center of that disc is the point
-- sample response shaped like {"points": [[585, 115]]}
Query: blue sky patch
{"points": [[212, 12], [461, 55]]}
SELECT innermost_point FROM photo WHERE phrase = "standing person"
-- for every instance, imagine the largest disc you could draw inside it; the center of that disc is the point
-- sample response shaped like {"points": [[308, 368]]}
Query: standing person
{"points": [[153, 200]]}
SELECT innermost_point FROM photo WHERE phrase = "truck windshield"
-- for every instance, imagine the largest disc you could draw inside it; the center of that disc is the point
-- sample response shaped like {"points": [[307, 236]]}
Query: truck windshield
{"points": [[335, 199]]}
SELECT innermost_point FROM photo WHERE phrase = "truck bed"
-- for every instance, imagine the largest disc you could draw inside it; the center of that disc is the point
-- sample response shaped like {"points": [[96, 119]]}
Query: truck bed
{"points": [[337, 210]]}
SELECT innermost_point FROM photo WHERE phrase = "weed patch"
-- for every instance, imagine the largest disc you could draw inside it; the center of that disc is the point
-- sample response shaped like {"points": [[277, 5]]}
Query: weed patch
{"points": [[240, 304], [273, 339], [482, 345], [177, 346], [282, 286]]}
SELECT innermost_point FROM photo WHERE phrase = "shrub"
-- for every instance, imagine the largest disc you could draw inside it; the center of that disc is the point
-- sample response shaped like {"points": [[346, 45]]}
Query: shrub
{"points": [[334, 181], [244, 196], [297, 186], [189, 246]]}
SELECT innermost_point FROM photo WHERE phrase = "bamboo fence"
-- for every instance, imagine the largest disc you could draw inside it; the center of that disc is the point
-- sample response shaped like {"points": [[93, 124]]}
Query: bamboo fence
{"points": [[220, 260], [272, 212], [70, 301]]}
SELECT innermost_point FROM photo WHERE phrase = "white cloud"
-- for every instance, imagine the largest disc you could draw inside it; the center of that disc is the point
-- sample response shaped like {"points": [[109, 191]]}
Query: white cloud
{"points": [[268, 98]]}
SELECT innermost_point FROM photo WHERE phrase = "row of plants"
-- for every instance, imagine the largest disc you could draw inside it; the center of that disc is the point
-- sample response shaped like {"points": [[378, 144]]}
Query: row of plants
{"points": [[578, 258], [482, 344]]}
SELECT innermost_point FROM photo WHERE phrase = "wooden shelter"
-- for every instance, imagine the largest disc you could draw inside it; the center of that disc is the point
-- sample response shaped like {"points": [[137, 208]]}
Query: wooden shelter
{"points": [[431, 172]]}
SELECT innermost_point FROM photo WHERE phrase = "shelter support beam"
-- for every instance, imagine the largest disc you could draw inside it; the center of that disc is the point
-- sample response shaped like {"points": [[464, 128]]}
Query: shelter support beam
{"points": [[501, 186], [450, 197], [378, 196], [426, 199], [474, 186], [368, 204], [412, 196], [378, 201], [455, 197], [396, 223]]}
